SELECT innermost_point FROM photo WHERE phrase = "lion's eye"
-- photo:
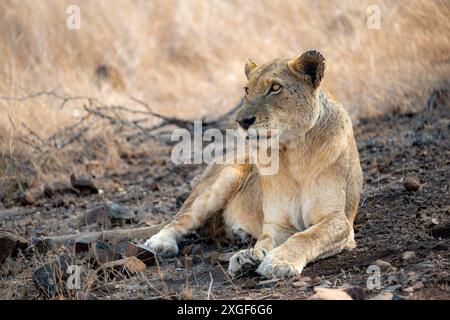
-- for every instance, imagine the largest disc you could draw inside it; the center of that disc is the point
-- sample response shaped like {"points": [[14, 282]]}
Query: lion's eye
{"points": [[246, 91], [275, 88]]}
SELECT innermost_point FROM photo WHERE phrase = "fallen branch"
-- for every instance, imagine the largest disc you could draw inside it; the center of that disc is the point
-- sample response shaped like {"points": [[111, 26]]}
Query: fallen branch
{"points": [[105, 235]]}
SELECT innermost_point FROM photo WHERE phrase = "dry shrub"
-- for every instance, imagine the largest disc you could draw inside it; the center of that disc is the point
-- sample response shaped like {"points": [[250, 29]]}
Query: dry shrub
{"points": [[185, 58]]}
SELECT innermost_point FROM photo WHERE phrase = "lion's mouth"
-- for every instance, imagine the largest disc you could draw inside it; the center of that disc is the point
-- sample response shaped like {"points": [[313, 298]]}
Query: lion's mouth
{"points": [[260, 135]]}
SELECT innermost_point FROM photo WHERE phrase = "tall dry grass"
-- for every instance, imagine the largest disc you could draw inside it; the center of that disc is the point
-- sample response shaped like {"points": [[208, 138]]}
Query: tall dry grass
{"points": [[185, 57]]}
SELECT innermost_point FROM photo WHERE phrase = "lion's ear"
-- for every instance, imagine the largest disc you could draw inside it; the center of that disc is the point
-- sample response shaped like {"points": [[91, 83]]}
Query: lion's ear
{"points": [[250, 65], [310, 64]]}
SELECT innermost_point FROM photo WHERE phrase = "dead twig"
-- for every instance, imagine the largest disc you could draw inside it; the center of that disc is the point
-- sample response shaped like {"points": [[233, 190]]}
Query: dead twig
{"points": [[110, 235]]}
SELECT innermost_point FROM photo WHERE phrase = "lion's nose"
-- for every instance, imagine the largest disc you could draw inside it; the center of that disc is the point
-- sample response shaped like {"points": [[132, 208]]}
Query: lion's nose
{"points": [[245, 123]]}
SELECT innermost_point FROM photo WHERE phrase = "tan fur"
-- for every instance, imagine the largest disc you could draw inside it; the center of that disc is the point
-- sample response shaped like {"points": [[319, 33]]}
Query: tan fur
{"points": [[306, 210]]}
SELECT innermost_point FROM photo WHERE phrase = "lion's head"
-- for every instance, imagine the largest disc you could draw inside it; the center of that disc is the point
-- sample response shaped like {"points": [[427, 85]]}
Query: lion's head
{"points": [[281, 94]]}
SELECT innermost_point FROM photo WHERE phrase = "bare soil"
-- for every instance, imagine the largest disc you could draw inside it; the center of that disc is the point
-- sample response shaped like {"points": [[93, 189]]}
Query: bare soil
{"points": [[390, 222]]}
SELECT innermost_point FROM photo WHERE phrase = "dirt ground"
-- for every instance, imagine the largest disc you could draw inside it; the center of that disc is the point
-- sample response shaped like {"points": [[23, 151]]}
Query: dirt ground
{"points": [[408, 230]]}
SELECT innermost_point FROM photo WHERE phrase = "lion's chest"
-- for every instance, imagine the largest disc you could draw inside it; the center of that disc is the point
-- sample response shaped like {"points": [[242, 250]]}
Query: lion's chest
{"points": [[283, 201]]}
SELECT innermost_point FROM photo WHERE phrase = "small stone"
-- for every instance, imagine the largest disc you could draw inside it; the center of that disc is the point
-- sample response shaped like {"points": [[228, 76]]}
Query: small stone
{"points": [[10, 243], [141, 252], [434, 221], [392, 288], [411, 184], [102, 252], [384, 265], [83, 184], [357, 293], [329, 294], [408, 255], [29, 197], [7, 245], [441, 232], [249, 284], [51, 278], [58, 187], [82, 245]]}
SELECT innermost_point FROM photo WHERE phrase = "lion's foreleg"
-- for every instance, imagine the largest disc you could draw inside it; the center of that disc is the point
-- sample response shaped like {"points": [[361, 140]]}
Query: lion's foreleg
{"points": [[201, 205], [325, 238], [273, 234]]}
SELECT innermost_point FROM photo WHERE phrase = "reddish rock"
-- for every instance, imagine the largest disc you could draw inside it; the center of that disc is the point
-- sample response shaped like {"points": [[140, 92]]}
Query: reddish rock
{"points": [[411, 184], [10, 243], [83, 184], [141, 252]]}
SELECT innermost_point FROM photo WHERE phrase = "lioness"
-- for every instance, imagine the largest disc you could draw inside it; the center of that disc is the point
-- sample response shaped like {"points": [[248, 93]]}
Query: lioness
{"points": [[306, 210]]}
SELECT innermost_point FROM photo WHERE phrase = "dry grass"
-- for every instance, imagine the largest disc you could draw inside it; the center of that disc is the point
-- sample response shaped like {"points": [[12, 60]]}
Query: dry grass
{"points": [[186, 58]]}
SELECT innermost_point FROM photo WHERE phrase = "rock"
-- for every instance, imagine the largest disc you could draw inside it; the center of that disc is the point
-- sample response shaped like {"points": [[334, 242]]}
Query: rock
{"points": [[7, 245], [58, 187], [393, 278], [118, 213], [29, 197], [392, 288], [434, 221], [384, 265], [125, 266], [51, 278], [441, 232], [418, 285], [141, 252], [271, 283], [249, 284], [97, 215], [408, 255], [357, 293], [153, 186], [82, 245], [83, 184], [10, 243], [225, 257], [43, 245], [330, 294], [411, 184], [102, 252]]}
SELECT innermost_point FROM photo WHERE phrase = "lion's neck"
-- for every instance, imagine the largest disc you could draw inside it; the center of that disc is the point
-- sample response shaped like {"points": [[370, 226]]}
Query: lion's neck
{"points": [[300, 154]]}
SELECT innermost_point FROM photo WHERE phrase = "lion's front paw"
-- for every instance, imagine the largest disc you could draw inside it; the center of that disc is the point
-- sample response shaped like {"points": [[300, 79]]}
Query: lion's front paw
{"points": [[248, 257], [277, 266], [162, 245]]}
